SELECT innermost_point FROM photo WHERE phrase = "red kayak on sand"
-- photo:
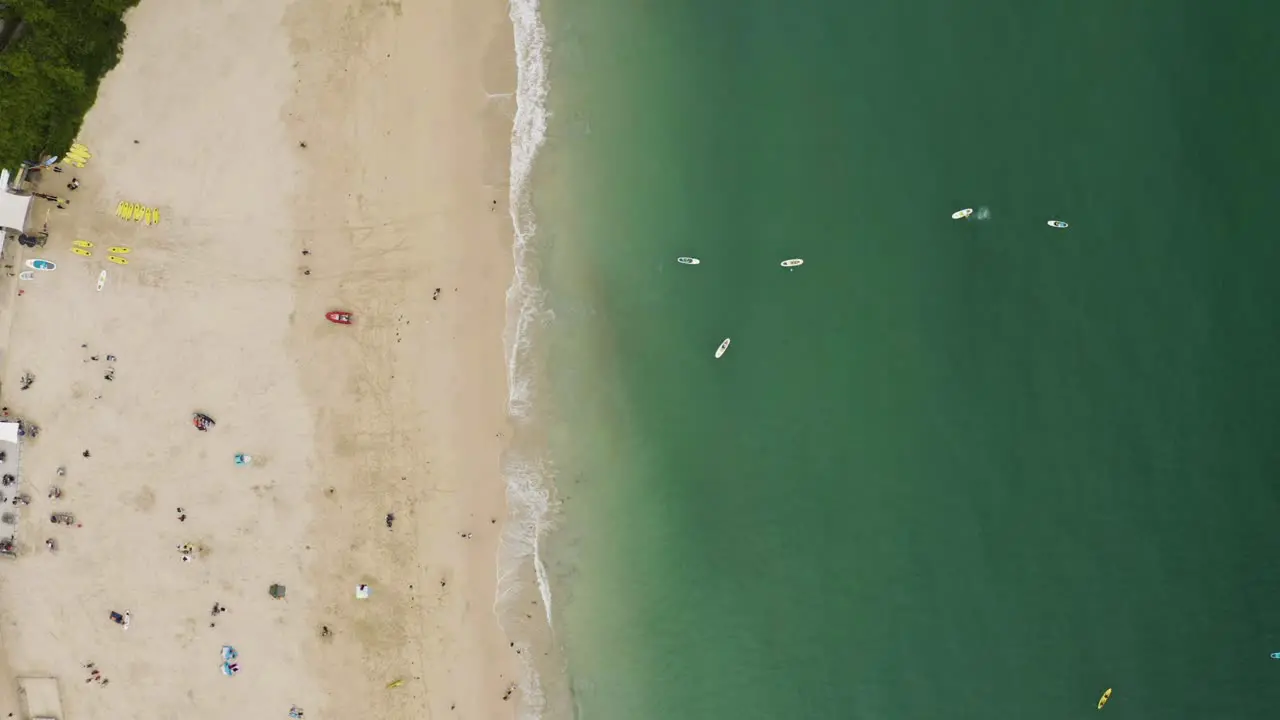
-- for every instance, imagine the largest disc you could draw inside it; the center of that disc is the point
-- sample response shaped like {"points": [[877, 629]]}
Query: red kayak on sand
{"points": [[340, 317]]}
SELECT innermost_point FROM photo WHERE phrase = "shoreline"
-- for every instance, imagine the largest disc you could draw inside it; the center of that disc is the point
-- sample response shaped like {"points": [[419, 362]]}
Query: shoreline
{"points": [[528, 470], [306, 140]]}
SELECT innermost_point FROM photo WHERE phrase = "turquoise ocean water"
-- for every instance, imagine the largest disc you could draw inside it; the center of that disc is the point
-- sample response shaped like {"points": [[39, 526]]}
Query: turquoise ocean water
{"points": [[977, 469]]}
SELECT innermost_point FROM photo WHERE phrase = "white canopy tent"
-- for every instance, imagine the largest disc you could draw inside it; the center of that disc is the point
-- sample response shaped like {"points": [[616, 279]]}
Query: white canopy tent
{"points": [[13, 211], [9, 432]]}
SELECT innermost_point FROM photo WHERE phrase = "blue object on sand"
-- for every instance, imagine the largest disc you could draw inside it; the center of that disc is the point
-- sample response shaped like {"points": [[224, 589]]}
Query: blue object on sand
{"points": [[229, 653], [242, 459]]}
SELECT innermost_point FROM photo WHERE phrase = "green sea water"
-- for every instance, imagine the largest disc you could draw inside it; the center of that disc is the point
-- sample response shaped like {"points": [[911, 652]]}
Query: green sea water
{"points": [[947, 469]]}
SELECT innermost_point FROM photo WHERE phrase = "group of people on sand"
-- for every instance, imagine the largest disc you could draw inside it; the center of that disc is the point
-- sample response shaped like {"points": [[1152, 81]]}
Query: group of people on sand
{"points": [[95, 675], [33, 173]]}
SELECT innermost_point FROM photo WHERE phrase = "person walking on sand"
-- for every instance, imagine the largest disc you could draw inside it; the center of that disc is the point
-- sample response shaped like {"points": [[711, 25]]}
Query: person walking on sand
{"points": [[75, 183], [62, 202]]}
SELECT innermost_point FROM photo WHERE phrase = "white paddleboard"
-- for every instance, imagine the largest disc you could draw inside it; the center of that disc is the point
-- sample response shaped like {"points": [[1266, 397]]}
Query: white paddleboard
{"points": [[688, 261], [723, 346], [1057, 224], [102, 280], [27, 275], [961, 214], [793, 262], [38, 264]]}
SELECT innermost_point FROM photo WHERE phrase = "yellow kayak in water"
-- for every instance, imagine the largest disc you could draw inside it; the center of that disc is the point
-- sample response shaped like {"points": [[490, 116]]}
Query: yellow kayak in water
{"points": [[1105, 697]]}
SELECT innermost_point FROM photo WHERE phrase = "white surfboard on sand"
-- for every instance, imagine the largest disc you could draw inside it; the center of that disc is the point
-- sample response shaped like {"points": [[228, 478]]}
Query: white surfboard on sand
{"points": [[961, 214], [1057, 224], [102, 280], [688, 261], [27, 275], [792, 263], [38, 264], [723, 346]]}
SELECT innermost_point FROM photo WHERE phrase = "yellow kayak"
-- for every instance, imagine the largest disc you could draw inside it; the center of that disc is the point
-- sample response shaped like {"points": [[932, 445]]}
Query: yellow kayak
{"points": [[82, 243], [118, 250], [117, 260], [1105, 697], [138, 210], [81, 251], [394, 684]]}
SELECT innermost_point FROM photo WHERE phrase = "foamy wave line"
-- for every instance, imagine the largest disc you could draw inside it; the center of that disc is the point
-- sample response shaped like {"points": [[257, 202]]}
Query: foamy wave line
{"points": [[528, 133], [529, 504], [528, 498]]}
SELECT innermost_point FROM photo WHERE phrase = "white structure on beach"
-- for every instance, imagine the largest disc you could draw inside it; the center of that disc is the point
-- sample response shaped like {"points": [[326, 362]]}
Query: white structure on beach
{"points": [[13, 208]]}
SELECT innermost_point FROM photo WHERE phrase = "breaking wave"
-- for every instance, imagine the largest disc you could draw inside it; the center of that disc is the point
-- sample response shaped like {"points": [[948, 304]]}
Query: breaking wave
{"points": [[528, 477]]}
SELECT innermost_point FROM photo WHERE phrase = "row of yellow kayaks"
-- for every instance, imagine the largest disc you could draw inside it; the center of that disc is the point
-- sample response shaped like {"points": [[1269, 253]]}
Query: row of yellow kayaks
{"points": [[138, 213], [84, 248], [77, 156]]}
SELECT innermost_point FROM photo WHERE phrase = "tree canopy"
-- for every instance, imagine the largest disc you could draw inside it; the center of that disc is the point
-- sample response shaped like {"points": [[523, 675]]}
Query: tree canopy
{"points": [[50, 72]]}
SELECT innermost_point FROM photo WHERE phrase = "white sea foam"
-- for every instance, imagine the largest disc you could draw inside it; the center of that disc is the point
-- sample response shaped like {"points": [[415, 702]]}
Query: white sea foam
{"points": [[529, 503], [528, 133]]}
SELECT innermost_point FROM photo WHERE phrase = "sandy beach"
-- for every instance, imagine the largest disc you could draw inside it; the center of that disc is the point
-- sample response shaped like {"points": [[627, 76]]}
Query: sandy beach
{"points": [[304, 157]]}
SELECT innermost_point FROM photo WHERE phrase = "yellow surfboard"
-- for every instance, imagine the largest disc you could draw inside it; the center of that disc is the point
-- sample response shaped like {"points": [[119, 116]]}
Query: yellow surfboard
{"points": [[81, 251], [82, 243], [117, 260], [118, 250]]}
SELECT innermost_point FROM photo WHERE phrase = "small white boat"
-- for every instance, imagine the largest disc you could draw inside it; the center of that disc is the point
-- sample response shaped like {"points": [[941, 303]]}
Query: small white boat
{"points": [[961, 214], [723, 346], [688, 261], [1057, 224], [793, 262], [27, 275]]}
